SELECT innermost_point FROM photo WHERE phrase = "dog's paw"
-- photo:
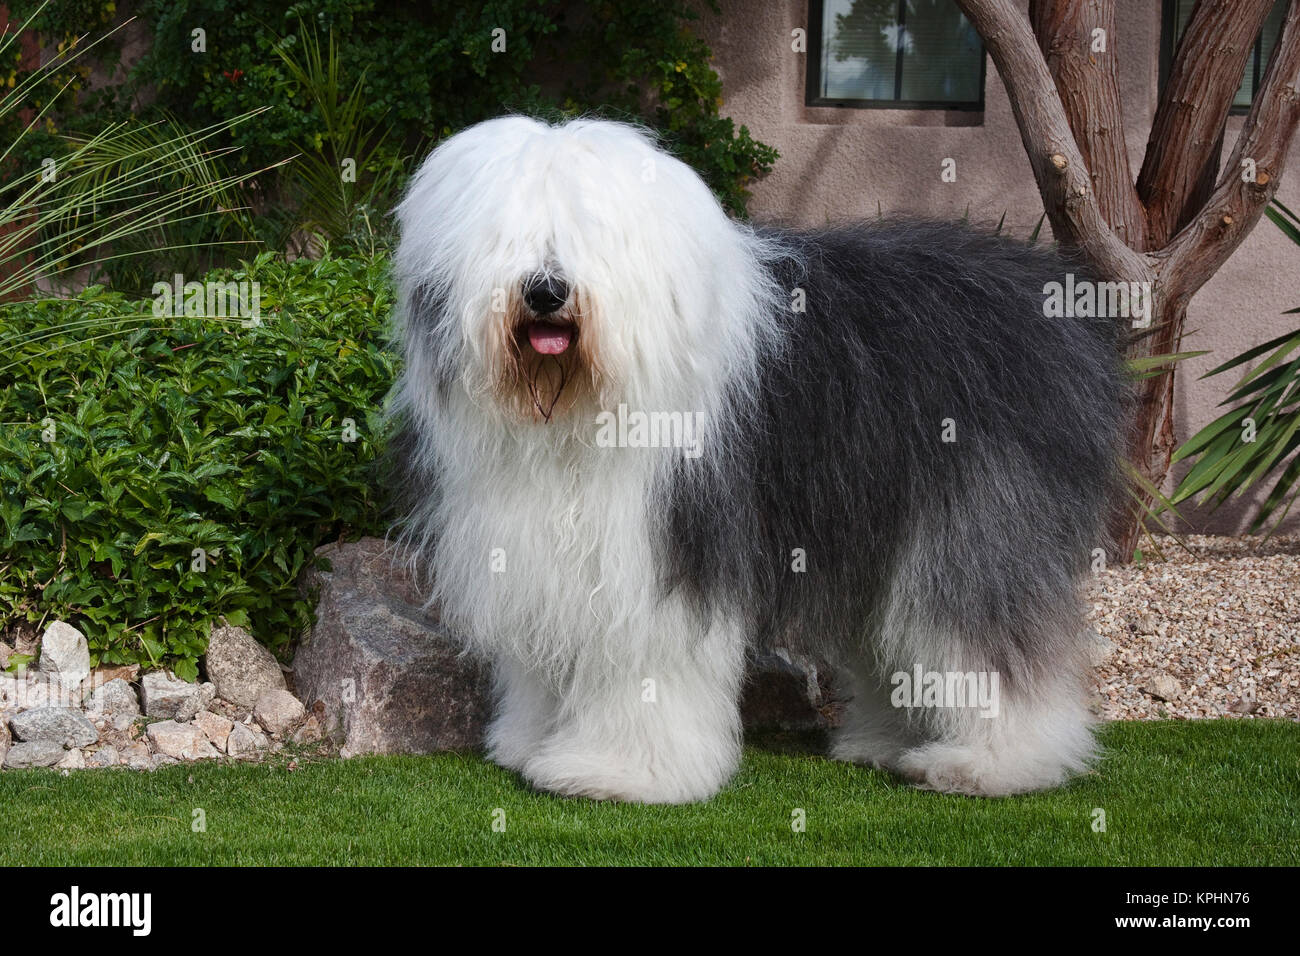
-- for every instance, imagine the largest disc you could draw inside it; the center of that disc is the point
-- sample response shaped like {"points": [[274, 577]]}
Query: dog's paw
{"points": [[610, 778], [510, 752], [877, 752], [975, 770]]}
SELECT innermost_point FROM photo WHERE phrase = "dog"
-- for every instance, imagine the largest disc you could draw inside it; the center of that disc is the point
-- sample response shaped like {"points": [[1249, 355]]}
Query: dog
{"points": [[637, 440]]}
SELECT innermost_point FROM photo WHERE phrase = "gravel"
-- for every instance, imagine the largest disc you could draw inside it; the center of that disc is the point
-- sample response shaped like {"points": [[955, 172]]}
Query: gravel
{"points": [[1213, 633]]}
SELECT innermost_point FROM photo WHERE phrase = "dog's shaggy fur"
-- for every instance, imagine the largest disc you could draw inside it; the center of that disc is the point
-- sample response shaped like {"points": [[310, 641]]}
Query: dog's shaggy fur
{"points": [[901, 464]]}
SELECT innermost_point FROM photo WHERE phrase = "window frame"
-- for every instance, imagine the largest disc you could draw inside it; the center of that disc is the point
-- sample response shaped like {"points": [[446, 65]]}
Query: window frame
{"points": [[812, 77]]}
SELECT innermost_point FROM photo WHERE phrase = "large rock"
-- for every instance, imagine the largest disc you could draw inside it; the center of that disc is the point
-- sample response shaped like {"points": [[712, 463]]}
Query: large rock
{"points": [[389, 675], [240, 667], [392, 681], [65, 656], [35, 753], [170, 698], [61, 725]]}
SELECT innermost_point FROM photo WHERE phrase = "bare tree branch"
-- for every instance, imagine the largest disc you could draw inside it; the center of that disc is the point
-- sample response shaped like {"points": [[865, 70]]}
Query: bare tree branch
{"points": [[1059, 169], [1088, 83], [1182, 156], [1197, 252]]}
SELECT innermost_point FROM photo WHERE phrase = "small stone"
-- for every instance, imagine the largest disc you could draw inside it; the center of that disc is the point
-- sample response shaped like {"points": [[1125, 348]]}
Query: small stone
{"points": [[240, 667], [104, 757], [180, 741], [278, 711], [36, 753], [1163, 687], [8, 690], [245, 740], [73, 760], [25, 692], [171, 698], [1100, 648], [5, 741], [115, 697], [65, 654], [215, 727], [102, 675], [5, 653], [309, 733], [62, 725], [123, 722]]}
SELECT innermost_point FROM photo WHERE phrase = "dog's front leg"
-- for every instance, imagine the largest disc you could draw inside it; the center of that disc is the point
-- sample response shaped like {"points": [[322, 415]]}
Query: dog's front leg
{"points": [[662, 729], [524, 716]]}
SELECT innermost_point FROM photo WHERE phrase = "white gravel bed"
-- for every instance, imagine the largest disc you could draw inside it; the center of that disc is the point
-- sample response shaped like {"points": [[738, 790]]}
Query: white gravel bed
{"points": [[1214, 633]]}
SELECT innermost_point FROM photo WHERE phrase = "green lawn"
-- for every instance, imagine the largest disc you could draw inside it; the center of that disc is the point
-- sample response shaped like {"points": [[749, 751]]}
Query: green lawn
{"points": [[1174, 793]]}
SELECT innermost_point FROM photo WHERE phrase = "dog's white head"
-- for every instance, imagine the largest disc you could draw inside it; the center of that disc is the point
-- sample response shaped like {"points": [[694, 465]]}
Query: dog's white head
{"points": [[557, 271]]}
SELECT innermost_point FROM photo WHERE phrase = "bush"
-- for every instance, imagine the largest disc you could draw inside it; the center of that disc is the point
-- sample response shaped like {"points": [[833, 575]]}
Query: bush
{"points": [[419, 72], [159, 473], [432, 69]]}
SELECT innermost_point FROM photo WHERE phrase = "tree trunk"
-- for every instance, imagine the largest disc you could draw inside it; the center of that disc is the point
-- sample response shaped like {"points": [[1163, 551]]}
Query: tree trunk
{"points": [[1151, 438], [1179, 222]]}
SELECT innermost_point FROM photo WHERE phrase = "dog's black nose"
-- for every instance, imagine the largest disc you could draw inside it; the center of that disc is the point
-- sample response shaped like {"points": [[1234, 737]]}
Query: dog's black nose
{"points": [[545, 292]]}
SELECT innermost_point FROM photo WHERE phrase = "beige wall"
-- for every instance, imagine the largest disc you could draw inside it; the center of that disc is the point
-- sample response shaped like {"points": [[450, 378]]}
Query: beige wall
{"points": [[843, 163]]}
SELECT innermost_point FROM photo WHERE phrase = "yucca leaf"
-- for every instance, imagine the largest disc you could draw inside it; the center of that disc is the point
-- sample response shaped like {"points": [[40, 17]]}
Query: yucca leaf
{"points": [[1284, 343], [1208, 434], [1148, 366], [1282, 488]]}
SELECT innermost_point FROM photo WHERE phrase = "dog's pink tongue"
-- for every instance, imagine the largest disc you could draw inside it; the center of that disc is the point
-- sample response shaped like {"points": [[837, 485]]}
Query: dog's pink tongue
{"points": [[548, 338]]}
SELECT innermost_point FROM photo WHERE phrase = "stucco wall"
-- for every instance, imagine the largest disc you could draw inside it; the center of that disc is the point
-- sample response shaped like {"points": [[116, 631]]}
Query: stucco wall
{"points": [[839, 163]]}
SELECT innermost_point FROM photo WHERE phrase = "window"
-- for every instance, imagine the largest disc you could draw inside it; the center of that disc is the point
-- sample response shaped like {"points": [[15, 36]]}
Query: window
{"points": [[893, 54], [1178, 12]]}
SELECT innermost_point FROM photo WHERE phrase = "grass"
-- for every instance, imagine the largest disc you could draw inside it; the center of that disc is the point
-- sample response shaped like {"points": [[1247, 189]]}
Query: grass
{"points": [[1174, 793]]}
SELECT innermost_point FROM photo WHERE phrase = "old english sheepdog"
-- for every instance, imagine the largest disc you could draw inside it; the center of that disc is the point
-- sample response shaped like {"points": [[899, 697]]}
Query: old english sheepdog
{"points": [[638, 439]]}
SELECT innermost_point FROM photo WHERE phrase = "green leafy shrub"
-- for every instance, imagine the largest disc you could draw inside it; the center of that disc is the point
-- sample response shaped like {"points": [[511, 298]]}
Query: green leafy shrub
{"points": [[432, 69], [420, 73], [157, 473]]}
